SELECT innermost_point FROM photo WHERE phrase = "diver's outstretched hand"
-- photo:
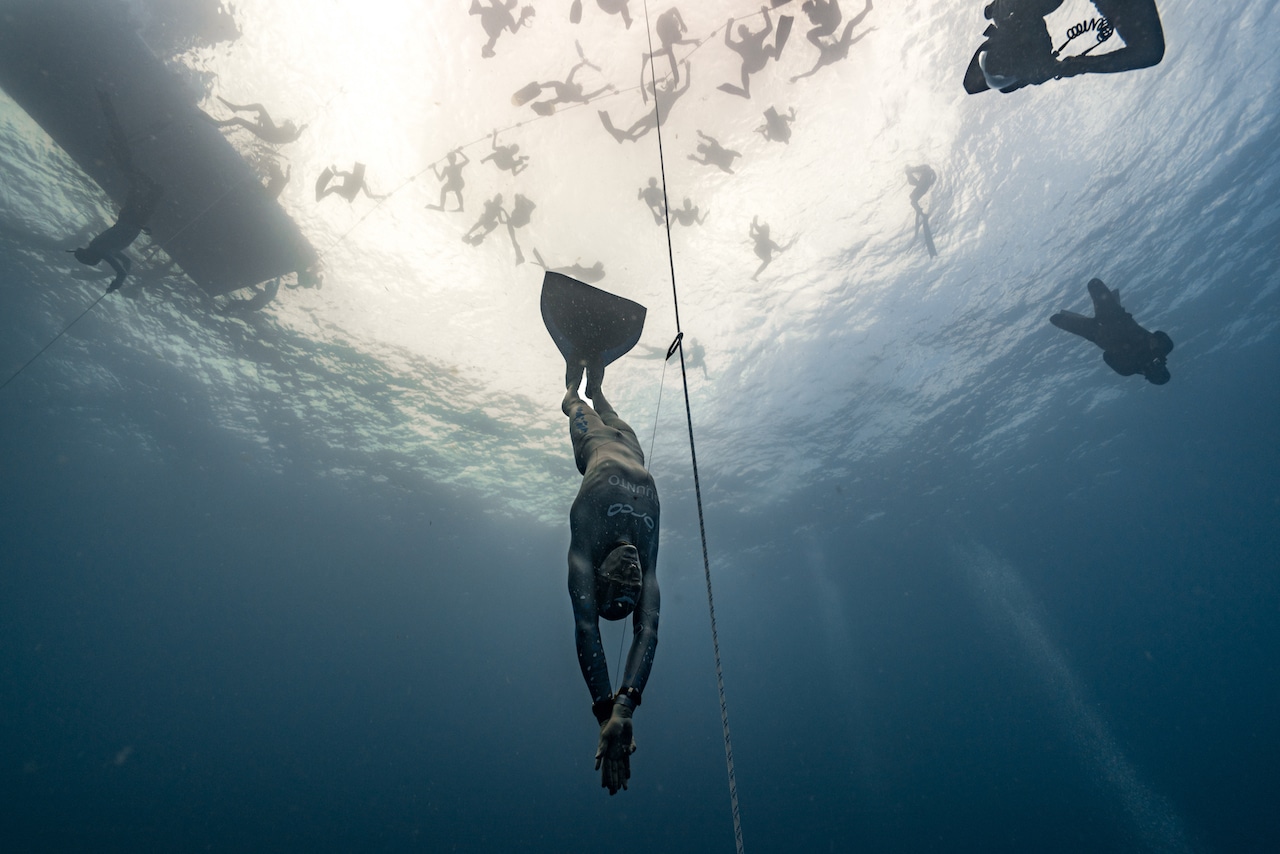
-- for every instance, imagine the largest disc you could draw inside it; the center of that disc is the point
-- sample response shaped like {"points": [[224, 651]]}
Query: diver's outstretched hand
{"points": [[613, 754]]}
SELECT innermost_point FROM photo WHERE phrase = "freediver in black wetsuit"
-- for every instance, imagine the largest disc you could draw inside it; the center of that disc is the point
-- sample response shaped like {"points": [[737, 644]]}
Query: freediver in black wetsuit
{"points": [[613, 559], [1020, 52], [141, 202], [1127, 348]]}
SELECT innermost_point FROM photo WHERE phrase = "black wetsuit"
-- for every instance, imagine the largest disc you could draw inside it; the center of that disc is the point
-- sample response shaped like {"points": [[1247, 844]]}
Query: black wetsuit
{"points": [[1127, 348], [616, 503]]}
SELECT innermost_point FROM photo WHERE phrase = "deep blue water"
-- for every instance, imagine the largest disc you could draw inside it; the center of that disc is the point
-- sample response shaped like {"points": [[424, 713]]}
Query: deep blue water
{"points": [[250, 614]]}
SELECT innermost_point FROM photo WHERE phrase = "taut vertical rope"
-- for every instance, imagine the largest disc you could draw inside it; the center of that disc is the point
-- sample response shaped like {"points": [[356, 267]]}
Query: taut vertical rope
{"points": [[693, 455]]}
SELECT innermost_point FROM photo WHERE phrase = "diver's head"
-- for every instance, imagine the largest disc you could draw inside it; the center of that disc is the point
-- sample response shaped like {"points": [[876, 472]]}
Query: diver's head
{"points": [[1156, 372], [1161, 343], [87, 256], [618, 582]]}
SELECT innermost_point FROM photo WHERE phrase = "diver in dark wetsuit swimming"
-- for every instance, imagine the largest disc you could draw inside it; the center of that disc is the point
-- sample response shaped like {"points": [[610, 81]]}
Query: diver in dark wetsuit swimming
{"points": [[1020, 52], [1127, 348], [264, 128], [613, 557], [141, 202]]}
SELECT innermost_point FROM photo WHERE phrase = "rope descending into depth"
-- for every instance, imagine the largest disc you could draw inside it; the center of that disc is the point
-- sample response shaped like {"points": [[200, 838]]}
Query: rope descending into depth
{"points": [[693, 455], [64, 331]]}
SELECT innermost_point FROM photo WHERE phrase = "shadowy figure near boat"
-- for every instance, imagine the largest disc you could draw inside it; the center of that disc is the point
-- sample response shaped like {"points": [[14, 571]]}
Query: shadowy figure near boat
{"points": [[1019, 50], [836, 49], [277, 178], [262, 127], [451, 178], [260, 300], [671, 30], [652, 196], [567, 92], [1127, 348], [520, 216], [695, 355], [590, 275], [751, 47], [140, 203], [492, 216], [777, 127], [505, 157], [498, 17], [670, 93], [609, 7], [714, 154], [921, 178], [352, 184], [825, 16], [688, 215], [765, 247]]}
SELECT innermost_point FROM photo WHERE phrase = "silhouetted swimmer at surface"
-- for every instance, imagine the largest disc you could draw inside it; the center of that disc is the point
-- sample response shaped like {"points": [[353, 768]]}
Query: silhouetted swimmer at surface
{"points": [[505, 156], [765, 247], [140, 203], [590, 275], [263, 128], [613, 557], [695, 355], [688, 215], [451, 177], [1019, 51], [520, 216], [837, 49], [714, 154], [921, 178], [566, 92], [277, 178], [777, 127], [671, 30], [498, 17], [825, 16], [351, 185], [492, 216], [1127, 348], [670, 93], [750, 46], [652, 196], [609, 7]]}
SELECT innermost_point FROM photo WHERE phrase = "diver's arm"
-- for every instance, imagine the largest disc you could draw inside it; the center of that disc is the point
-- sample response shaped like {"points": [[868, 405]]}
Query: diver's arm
{"points": [[586, 633], [644, 624], [1138, 23], [121, 271]]}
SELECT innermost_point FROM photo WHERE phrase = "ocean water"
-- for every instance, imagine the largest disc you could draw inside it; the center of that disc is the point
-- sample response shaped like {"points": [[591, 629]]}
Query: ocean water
{"points": [[294, 580]]}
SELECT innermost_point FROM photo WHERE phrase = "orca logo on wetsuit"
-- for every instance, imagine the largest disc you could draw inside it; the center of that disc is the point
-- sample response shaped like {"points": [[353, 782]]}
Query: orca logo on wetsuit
{"points": [[627, 509]]}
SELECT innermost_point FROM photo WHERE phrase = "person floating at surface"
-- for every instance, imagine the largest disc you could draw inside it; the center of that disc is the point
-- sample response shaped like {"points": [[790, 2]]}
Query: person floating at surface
{"points": [[921, 178], [352, 183], [671, 30], [613, 557], [520, 216], [140, 203], [777, 127], [590, 275], [750, 46], [492, 216], [505, 157], [497, 17], [714, 154], [652, 196], [609, 7], [567, 92], [1019, 50], [688, 215], [263, 128], [837, 49], [670, 92], [1127, 348], [451, 178], [825, 16], [765, 247], [277, 178]]}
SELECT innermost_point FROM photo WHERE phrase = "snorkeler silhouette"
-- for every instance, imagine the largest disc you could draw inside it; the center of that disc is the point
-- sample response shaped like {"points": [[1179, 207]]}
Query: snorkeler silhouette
{"points": [[352, 184], [492, 216], [825, 16], [652, 196], [670, 92], [260, 300], [263, 128], [591, 274], [671, 30], [505, 157], [451, 178], [567, 92], [695, 355], [714, 154], [837, 49], [1019, 50], [520, 216], [1127, 348], [750, 46], [497, 17], [140, 203], [765, 247], [277, 178], [921, 178], [688, 215], [609, 7], [776, 127]]}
